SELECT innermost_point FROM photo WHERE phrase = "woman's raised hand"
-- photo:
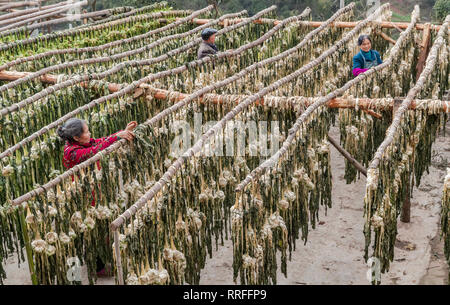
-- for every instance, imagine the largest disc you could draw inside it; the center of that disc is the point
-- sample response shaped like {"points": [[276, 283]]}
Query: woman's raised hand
{"points": [[128, 132], [132, 125]]}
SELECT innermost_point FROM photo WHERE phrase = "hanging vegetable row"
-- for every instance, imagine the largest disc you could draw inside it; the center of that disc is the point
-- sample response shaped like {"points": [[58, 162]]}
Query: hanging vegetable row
{"points": [[399, 161]]}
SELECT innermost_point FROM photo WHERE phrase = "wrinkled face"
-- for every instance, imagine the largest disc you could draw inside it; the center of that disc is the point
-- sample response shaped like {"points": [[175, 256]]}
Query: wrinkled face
{"points": [[366, 45], [84, 137], [211, 39]]}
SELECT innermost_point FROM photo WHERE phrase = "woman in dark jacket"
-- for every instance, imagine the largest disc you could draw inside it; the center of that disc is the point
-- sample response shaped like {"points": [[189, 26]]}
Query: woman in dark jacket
{"points": [[366, 57]]}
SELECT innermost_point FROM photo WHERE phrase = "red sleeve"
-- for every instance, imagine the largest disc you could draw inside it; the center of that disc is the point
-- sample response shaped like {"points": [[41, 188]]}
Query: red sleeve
{"points": [[76, 154], [99, 140]]}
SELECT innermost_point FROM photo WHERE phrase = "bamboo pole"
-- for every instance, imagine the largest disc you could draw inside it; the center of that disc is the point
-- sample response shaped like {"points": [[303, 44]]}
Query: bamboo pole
{"points": [[384, 24], [338, 102], [131, 11], [18, 13], [196, 148], [235, 21], [322, 101]]}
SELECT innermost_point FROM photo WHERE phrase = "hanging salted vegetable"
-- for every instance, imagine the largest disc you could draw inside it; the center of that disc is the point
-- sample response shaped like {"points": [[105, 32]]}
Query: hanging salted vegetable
{"points": [[202, 182], [289, 201], [360, 135], [73, 67], [117, 13], [445, 217], [50, 106], [88, 36], [180, 49], [438, 83], [400, 160], [88, 226], [168, 240]]}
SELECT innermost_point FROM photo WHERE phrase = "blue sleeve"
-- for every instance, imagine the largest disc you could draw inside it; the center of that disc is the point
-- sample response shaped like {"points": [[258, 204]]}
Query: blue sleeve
{"points": [[378, 57], [357, 63]]}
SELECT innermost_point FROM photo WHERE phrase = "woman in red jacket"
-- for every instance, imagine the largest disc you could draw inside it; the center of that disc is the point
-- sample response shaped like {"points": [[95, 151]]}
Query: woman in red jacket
{"points": [[80, 146]]}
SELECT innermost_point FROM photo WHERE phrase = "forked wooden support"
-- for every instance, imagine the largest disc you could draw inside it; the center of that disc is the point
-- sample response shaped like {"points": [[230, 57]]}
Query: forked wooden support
{"points": [[373, 113], [386, 37]]}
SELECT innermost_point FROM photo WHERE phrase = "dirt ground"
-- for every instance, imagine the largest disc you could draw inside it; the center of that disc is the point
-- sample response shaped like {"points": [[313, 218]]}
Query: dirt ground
{"points": [[334, 251]]}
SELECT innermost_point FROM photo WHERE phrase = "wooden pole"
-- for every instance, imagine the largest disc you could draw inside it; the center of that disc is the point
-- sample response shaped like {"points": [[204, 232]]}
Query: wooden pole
{"points": [[340, 24], [349, 157], [364, 104], [386, 37], [17, 4], [372, 113]]}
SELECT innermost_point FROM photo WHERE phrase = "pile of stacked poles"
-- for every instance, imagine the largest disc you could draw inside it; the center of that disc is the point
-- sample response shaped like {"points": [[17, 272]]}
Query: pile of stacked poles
{"points": [[162, 204]]}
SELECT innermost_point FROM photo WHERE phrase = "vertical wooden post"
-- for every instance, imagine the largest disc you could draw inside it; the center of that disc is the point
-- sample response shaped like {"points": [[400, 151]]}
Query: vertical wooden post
{"points": [[405, 216], [425, 48]]}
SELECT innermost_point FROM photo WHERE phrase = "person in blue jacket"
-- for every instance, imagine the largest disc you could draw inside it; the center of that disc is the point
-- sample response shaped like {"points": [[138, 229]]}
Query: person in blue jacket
{"points": [[366, 57]]}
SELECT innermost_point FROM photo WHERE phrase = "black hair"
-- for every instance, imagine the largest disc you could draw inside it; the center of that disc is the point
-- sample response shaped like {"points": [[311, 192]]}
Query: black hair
{"points": [[362, 38], [72, 128]]}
